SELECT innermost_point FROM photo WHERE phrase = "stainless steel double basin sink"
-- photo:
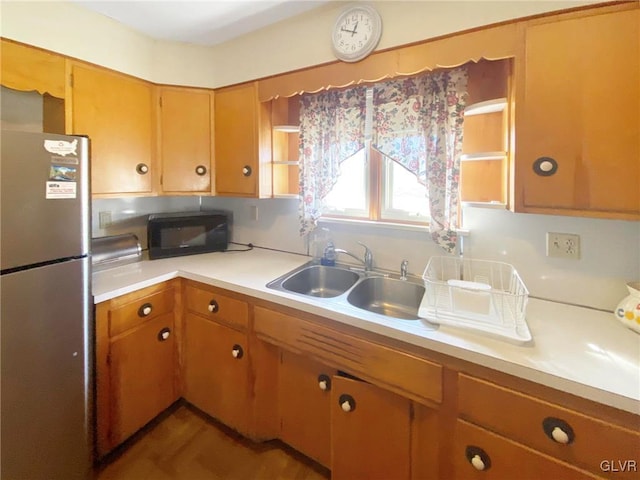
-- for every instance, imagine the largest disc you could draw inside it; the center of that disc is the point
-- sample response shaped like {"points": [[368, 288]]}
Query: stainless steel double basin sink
{"points": [[373, 292]]}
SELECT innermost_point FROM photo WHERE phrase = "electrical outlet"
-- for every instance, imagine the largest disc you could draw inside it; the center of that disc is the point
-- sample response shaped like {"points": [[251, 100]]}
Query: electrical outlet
{"points": [[104, 219], [563, 245], [253, 209]]}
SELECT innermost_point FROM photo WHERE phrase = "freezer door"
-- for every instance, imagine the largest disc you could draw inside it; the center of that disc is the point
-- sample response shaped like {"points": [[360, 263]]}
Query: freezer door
{"points": [[45, 204], [45, 372]]}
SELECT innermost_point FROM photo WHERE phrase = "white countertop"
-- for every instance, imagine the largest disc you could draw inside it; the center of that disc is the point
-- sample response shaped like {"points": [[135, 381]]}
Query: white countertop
{"points": [[577, 350]]}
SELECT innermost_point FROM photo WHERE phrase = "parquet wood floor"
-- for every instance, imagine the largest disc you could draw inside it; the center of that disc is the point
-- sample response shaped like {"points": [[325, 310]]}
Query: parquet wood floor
{"points": [[184, 444]]}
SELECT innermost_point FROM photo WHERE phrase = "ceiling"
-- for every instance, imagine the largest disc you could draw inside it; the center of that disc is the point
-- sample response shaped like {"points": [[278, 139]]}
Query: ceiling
{"points": [[204, 22]]}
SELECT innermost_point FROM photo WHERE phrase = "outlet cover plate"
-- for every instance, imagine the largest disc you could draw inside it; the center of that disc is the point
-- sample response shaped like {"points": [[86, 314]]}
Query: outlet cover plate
{"points": [[563, 245]]}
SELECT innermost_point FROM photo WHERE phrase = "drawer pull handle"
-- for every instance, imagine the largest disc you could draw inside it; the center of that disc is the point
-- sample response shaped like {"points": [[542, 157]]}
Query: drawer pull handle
{"points": [[213, 306], [347, 403], [237, 351], [142, 169], [324, 382], [558, 430], [164, 334], [478, 458], [201, 170], [545, 166], [145, 310], [246, 171]]}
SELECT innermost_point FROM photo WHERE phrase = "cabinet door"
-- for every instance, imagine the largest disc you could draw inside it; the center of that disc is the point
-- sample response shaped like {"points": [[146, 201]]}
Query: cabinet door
{"points": [[142, 364], [304, 391], [115, 111], [216, 371], [482, 454], [242, 139], [186, 139], [581, 108], [370, 436]]}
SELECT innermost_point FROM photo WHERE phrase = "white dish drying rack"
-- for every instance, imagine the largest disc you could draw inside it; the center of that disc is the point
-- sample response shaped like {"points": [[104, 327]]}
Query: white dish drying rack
{"points": [[482, 295]]}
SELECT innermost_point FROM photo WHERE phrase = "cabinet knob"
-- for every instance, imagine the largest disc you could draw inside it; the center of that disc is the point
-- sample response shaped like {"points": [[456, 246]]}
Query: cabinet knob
{"points": [[145, 310], [213, 306], [324, 382], [347, 403], [201, 170], [164, 334], [545, 166], [246, 171], [142, 169], [558, 430], [237, 351], [477, 457]]}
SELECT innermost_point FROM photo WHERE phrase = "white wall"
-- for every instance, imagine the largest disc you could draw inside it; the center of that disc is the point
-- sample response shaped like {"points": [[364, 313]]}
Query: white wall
{"points": [[291, 44], [610, 248]]}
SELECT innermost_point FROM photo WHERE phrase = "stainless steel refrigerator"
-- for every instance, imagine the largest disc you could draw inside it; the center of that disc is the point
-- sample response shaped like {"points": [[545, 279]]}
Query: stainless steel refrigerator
{"points": [[45, 307]]}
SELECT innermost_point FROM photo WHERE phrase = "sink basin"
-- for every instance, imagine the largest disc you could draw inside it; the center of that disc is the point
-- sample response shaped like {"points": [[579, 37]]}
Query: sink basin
{"points": [[320, 281], [387, 296]]}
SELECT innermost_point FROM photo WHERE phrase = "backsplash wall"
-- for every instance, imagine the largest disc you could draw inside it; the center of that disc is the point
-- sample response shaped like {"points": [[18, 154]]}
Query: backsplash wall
{"points": [[610, 249]]}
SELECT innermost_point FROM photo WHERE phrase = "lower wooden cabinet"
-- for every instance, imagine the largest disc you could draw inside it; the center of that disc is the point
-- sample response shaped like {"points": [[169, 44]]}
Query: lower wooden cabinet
{"points": [[216, 371], [482, 454], [547, 429], [273, 372], [142, 365], [136, 362], [370, 432], [304, 401]]}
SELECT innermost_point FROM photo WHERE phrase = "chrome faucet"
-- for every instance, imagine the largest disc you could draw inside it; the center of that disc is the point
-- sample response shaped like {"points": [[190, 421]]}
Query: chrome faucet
{"points": [[367, 261]]}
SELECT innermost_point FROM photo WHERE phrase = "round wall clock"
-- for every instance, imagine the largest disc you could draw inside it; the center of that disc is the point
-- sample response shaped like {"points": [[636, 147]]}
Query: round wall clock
{"points": [[356, 32]]}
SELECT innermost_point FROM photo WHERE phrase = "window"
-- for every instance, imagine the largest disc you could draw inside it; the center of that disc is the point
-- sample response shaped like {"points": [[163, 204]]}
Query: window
{"points": [[386, 152], [378, 189]]}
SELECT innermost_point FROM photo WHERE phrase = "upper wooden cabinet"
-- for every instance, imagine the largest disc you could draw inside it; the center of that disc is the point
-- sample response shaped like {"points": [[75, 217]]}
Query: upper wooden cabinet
{"points": [[578, 117], [116, 112], [28, 68], [185, 130], [242, 142]]}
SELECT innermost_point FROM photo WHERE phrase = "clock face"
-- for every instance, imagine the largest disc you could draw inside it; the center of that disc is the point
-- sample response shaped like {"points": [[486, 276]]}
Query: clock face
{"points": [[356, 33]]}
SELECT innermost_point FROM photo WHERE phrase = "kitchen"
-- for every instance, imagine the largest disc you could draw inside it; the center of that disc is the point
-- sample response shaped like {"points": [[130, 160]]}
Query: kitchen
{"points": [[609, 247]]}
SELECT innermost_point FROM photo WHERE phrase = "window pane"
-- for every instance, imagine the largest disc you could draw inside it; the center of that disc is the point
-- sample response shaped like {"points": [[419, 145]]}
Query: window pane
{"points": [[404, 198], [350, 195]]}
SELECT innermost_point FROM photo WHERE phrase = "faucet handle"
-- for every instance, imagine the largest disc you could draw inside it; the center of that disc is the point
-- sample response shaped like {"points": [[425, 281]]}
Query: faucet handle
{"points": [[403, 269], [368, 257]]}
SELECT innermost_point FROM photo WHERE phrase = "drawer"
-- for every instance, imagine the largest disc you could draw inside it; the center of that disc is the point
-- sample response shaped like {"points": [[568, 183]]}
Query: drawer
{"points": [[140, 310], [405, 374], [481, 454], [218, 307], [532, 421]]}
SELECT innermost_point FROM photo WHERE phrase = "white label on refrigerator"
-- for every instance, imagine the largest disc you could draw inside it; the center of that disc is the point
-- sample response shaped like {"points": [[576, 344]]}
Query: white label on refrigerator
{"points": [[61, 190], [61, 147]]}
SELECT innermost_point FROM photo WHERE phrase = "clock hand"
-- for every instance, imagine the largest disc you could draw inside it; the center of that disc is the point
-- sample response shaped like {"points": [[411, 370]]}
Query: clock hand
{"points": [[355, 27], [348, 31]]}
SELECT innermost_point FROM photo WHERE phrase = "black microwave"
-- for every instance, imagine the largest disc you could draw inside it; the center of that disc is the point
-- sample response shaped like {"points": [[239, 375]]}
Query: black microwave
{"points": [[187, 233]]}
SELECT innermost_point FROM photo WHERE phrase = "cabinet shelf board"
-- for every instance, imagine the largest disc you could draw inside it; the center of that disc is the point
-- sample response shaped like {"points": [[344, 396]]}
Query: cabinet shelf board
{"points": [[488, 106], [292, 163], [287, 128], [468, 157]]}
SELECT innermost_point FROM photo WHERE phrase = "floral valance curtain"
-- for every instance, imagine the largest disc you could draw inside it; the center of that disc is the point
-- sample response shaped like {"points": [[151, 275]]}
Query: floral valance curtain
{"points": [[418, 122], [415, 121], [331, 130]]}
